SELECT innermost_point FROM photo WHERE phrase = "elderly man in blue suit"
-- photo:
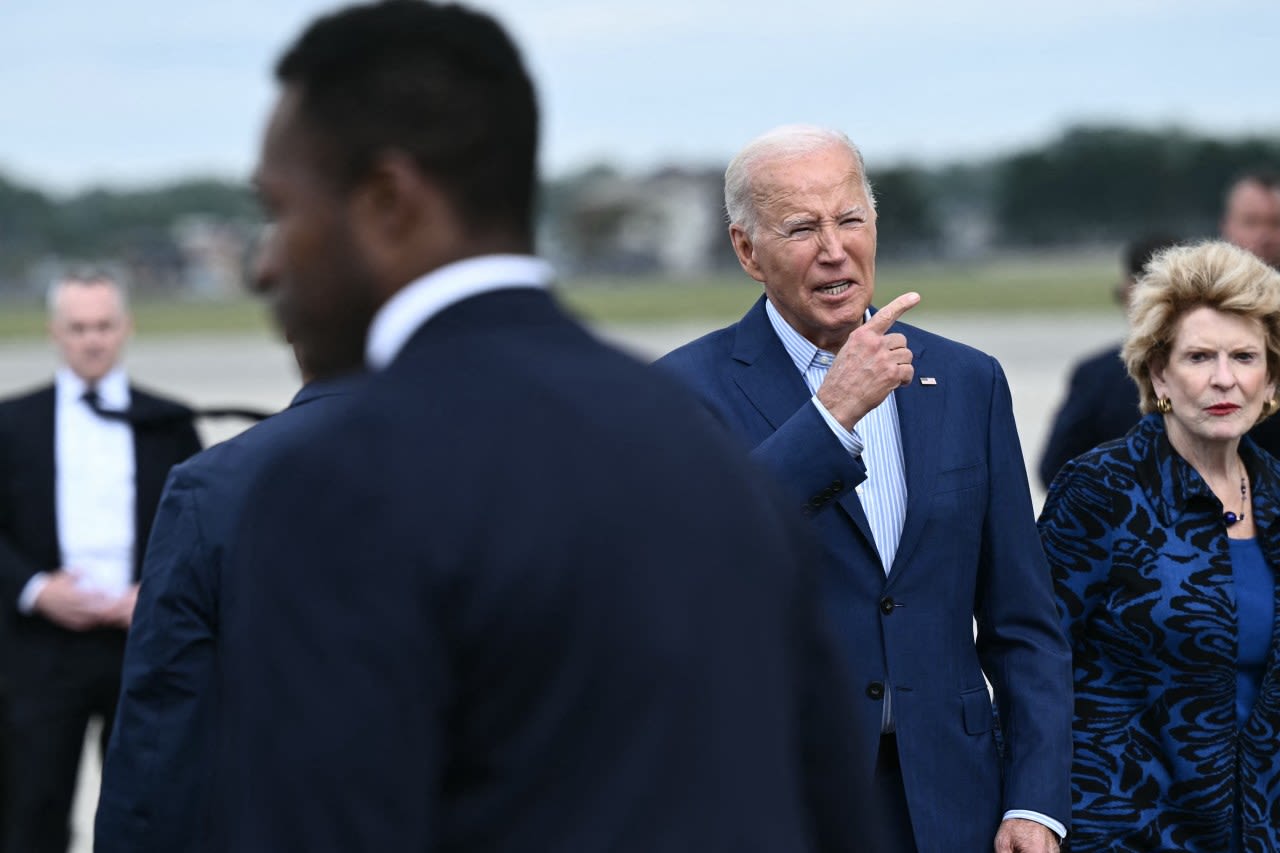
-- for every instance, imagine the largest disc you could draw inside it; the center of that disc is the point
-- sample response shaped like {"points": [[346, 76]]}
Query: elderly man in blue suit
{"points": [[519, 596], [157, 783], [900, 448]]}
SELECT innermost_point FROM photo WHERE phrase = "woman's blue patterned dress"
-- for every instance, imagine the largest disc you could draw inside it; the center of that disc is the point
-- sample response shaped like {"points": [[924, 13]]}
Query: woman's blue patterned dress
{"points": [[1142, 570]]}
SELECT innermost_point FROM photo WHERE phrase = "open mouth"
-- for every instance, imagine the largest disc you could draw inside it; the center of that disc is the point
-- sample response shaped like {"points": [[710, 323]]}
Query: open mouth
{"points": [[835, 288]]}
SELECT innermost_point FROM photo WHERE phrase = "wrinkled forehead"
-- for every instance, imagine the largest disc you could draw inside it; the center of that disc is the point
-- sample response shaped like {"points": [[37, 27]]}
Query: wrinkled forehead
{"points": [[1200, 325], [824, 182]]}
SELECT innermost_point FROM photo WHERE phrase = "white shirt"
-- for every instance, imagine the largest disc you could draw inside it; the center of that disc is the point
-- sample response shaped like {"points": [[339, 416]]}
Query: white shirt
{"points": [[94, 487], [420, 300]]}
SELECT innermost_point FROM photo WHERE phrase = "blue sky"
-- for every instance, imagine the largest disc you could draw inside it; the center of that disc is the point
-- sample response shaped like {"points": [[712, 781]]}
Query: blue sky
{"points": [[140, 91]]}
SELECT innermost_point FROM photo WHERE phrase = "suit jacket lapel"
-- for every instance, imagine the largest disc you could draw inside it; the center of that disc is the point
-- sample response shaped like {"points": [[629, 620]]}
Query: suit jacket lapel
{"points": [[768, 378], [152, 457], [920, 416], [763, 370], [44, 480]]}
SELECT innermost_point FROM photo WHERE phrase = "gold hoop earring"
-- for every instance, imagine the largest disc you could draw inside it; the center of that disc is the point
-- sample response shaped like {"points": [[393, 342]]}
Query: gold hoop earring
{"points": [[1270, 406], [1164, 405]]}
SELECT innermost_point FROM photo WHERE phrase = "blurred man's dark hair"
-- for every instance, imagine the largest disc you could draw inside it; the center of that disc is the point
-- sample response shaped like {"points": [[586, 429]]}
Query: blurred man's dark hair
{"points": [[1138, 253], [440, 83]]}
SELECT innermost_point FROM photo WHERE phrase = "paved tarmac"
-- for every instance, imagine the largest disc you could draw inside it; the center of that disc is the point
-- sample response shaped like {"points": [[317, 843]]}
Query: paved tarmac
{"points": [[258, 371]]}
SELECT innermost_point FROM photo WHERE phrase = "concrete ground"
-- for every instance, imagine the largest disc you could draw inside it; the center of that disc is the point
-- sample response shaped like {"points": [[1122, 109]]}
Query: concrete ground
{"points": [[258, 371]]}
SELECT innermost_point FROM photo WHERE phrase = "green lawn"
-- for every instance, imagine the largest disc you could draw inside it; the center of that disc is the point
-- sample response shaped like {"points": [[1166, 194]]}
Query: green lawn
{"points": [[1000, 287], [1006, 286], [174, 317]]}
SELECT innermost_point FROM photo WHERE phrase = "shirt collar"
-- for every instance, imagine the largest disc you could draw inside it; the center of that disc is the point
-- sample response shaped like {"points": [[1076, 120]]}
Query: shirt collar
{"points": [[113, 388], [802, 351], [422, 299]]}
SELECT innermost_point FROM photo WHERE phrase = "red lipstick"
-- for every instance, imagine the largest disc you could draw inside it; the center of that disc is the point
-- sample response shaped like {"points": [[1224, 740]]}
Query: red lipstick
{"points": [[1221, 409]]}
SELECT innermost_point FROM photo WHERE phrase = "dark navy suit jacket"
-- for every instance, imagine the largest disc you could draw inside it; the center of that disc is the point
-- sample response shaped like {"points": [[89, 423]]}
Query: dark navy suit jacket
{"points": [[969, 549], [156, 779], [521, 597], [1101, 404], [37, 649]]}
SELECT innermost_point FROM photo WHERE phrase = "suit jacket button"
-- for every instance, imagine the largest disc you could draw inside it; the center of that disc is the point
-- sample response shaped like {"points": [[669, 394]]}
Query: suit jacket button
{"points": [[886, 605], [875, 690], [837, 485]]}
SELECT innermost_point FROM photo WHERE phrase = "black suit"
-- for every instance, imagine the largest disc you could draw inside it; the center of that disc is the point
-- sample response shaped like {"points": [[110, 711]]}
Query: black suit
{"points": [[519, 596], [1101, 405], [59, 678]]}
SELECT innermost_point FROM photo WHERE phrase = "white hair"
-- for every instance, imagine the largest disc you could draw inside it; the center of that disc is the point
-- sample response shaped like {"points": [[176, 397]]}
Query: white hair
{"points": [[782, 143], [82, 278]]}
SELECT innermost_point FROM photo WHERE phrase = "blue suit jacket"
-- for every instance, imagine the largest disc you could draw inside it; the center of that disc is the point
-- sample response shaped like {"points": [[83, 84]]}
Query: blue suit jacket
{"points": [[520, 597], [969, 549], [155, 782]]}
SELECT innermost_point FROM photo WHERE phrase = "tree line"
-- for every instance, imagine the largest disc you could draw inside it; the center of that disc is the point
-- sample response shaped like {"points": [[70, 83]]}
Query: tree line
{"points": [[1090, 184]]}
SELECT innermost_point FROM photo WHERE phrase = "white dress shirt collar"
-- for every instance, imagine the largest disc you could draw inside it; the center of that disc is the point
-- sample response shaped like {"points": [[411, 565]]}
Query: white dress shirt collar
{"points": [[419, 301], [113, 388]]}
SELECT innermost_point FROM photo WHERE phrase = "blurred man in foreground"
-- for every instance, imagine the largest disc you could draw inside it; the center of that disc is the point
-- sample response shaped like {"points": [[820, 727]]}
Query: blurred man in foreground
{"points": [[517, 596], [157, 780]]}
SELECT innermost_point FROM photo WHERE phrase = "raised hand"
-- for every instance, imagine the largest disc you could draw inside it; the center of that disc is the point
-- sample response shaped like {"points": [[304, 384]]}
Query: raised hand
{"points": [[870, 365]]}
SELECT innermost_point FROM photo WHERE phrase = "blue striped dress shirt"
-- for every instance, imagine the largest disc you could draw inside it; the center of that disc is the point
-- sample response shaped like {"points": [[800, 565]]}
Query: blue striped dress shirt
{"points": [[877, 438]]}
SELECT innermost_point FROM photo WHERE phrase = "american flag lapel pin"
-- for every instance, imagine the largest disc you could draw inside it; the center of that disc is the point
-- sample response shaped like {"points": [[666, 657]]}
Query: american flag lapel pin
{"points": [[928, 380]]}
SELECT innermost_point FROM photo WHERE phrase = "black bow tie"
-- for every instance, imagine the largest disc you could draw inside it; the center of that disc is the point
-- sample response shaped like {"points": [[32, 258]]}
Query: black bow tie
{"points": [[165, 413]]}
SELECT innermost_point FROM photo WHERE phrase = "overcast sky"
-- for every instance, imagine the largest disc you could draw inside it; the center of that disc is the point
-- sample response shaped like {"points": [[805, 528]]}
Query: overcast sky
{"points": [[135, 92]]}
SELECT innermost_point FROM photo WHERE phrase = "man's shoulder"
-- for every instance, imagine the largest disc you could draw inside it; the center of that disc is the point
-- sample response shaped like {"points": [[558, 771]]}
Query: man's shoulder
{"points": [[27, 411], [707, 353], [238, 456], [28, 398], [713, 345], [1103, 361]]}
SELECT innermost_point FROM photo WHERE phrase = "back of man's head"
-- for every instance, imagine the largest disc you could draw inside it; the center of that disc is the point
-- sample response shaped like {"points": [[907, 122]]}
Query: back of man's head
{"points": [[1140, 252], [441, 83]]}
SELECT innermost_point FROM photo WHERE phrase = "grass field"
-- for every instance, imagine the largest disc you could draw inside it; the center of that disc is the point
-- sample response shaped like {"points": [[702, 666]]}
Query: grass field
{"points": [[1007, 286], [1023, 285]]}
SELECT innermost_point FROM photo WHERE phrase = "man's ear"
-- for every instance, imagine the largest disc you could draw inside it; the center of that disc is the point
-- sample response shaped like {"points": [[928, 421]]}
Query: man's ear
{"points": [[745, 249], [401, 217], [394, 198]]}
